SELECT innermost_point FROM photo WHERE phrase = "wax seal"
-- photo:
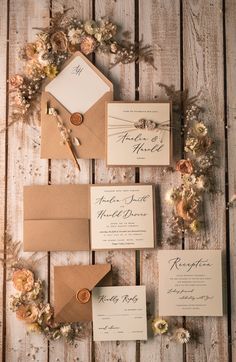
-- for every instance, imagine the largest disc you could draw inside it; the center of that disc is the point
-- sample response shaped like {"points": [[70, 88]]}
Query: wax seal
{"points": [[76, 119], [83, 295]]}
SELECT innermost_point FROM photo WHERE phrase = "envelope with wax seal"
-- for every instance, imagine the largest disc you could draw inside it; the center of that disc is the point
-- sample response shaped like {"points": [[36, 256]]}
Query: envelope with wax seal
{"points": [[89, 217], [72, 290], [78, 94]]}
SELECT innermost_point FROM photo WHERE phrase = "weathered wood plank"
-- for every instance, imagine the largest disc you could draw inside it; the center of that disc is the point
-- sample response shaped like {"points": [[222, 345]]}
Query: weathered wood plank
{"points": [[230, 17], [63, 172], [24, 167], [3, 159], [163, 32], [123, 262], [203, 75]]}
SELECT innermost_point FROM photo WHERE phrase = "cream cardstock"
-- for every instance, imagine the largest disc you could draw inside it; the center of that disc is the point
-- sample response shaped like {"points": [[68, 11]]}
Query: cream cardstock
{"points": [[122, 216], [190, 283], [127, 145], [78, 86], [119, 313]]}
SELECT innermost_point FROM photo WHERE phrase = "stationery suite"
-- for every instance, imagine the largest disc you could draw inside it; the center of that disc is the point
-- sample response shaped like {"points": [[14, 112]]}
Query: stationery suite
{"points": [[138, 134], [119, 313], [190, 283], [85, 217]]}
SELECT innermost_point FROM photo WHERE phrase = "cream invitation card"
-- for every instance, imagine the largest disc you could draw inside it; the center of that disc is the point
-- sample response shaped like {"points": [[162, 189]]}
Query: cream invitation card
{"points": [[122, 216], [138, 134], [119, 313], [78, 86], [190, 283]]}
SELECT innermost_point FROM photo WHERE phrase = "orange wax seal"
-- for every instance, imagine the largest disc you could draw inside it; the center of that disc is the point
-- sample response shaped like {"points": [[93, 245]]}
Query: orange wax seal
{"points": [[76, 119], [83, 295]]}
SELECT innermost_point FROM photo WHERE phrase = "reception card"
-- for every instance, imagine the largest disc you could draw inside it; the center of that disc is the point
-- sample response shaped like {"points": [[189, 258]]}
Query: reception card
{"points": [[119, 313], [138, 134], [190, 283], [122, 216]]}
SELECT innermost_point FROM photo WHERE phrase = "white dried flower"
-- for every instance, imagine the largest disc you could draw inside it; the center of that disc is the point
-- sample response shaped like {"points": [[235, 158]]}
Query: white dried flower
{"points": [[74, 35], [200, 129], [181, 335], [65, 330]]}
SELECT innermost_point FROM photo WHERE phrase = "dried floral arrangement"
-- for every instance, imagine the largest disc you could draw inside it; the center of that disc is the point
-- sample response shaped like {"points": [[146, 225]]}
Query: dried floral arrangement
{"points": [[174, 334], [65, 35], [196, 169], [29, 303]]}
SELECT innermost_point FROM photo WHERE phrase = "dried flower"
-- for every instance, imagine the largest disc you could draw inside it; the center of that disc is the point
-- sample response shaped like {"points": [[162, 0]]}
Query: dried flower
{"points": [[34, 327], [59, 41], [159, 326], [23, 280], [184, 166], [114, 48], [30, 50], [28, 313], [51, 71], [16, 80], [195, 226], [181, 335], [43, 58], [200, 129], [88, 45], [74, 35], [90, 27], [172, 195], [66, 330], [185, 210], [202, 182]]}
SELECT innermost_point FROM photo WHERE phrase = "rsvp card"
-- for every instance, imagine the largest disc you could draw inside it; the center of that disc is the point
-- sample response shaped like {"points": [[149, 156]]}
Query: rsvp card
{"points": [[122, 216], [138, 134], [190, 283], [119, 313]]}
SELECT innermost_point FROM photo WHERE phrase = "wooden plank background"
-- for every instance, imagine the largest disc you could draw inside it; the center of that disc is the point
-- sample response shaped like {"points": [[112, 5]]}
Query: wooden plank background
{"points": [[194, 45]]}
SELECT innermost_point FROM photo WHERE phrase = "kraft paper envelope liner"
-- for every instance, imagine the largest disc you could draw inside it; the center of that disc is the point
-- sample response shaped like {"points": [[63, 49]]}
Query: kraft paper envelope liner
{"points": [[91, 133], [68, 280], [56, 218]]}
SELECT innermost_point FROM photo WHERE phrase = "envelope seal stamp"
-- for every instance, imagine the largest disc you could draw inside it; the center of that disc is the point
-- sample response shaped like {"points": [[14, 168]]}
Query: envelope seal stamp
{"points": [[83, 296], [76, 119]]}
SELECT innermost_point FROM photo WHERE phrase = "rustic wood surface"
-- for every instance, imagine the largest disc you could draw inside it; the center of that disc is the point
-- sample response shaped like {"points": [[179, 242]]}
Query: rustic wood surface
{"points": [[195, 48]]}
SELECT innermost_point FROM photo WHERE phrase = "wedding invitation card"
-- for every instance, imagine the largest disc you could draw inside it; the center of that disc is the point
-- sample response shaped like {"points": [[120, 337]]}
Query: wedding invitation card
{"points": [[119, 313], [122, 216], [190, 283], [138, 134]]}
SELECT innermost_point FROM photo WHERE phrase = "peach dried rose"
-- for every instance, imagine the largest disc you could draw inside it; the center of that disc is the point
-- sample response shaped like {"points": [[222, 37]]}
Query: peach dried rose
{"points": [[27, 313], [184, 166], [16, 80], [30, 50], [87, 45], [184, 210], [59, 41], [23, 280]]}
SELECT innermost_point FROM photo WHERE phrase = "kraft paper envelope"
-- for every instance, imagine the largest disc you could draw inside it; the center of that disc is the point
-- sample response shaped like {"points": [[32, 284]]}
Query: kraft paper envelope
{"points": [[79, 87], [69, 281], [56, 218]]}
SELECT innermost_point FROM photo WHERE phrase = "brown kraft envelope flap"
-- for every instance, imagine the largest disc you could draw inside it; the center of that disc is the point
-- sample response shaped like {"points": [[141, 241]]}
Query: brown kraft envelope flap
{"points": [[91, 133], [68, 281], [56, 218]]}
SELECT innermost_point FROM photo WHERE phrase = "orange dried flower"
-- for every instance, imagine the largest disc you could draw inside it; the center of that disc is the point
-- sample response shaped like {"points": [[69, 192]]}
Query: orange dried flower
{"points": [[184, 210], [27, 313], [23, 280], [184, 166], [88, 45]]}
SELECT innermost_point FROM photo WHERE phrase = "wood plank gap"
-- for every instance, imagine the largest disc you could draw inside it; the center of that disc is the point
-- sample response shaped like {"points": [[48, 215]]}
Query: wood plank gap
{"points": [[227, 217], [5, 196]]}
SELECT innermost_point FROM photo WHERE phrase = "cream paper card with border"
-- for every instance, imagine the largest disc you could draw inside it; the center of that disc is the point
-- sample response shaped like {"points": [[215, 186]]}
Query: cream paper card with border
{"points": [[190, 283], [138, 134], [119, 313], [122, 216]]}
